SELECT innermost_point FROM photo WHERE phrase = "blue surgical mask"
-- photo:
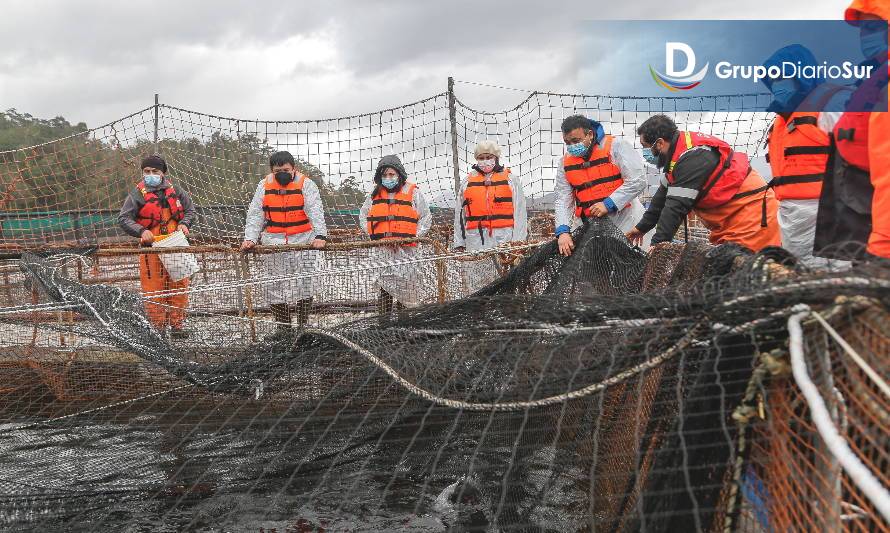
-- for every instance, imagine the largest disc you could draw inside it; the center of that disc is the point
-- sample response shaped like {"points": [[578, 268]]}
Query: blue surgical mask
{"points": [[576, 149], [873, 44], [783, 91], [389, 183], [650, 157], [152, 180]]}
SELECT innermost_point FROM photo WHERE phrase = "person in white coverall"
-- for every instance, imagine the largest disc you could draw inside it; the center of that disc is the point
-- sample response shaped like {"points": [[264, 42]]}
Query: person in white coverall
{"points": [[396, 209], [799, 148], [600, 175], [287, 209], [490, 211]]}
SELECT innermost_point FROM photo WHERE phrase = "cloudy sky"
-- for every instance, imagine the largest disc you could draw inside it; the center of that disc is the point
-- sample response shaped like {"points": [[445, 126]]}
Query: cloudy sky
{"points": [[95, 61]]}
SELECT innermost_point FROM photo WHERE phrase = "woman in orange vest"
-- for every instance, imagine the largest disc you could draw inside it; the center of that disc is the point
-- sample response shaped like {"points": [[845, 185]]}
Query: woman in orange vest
{"points": [[489, 212], [153, 209], [396, 209], [490, 209], [600, 175], [703, 174], [287, 209], [798, 150], [854, 208]]}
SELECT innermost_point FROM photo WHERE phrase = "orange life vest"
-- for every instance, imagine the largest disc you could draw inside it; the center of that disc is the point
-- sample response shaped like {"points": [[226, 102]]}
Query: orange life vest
{"points": [[851, 139], [488, 205], [160, 211], [798, 149], [392, 214], [284, 206], [592, 180], [727, 177]]}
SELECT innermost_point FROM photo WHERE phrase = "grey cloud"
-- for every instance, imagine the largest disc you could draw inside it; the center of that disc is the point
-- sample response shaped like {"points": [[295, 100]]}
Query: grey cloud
{"points": [[95, 60]]}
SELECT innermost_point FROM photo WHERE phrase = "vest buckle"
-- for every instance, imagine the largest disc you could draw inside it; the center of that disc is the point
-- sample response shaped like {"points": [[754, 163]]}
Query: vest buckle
{"points": [[846, 134]]}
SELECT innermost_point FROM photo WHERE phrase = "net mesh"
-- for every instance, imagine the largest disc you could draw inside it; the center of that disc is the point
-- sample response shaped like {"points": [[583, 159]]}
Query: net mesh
{"points": [[608, 391], [70, 191]]}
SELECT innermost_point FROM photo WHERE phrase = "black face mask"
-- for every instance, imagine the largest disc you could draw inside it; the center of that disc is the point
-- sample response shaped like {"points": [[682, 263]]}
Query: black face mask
{"points": [[283, 178]]}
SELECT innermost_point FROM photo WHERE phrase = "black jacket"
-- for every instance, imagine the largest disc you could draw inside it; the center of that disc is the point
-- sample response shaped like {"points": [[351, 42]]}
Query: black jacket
{"points": [[666, 213]]}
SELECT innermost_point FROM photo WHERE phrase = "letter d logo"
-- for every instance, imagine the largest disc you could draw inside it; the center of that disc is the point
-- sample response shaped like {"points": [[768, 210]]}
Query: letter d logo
{"points": [[670, 51], [678, 80]]}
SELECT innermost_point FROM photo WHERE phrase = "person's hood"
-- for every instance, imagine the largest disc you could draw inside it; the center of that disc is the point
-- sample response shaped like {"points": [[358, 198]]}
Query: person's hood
{"points": [[391, 161], [858, 8], [796, 54], [793, 54]]}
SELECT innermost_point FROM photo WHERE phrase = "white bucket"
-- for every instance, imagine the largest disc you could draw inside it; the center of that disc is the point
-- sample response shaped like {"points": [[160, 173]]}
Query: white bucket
{"points": [[178, 266]]}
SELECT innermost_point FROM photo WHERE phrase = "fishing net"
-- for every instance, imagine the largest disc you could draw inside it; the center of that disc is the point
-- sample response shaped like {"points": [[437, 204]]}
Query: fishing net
{"points": [[69, 191], [594, 392]]}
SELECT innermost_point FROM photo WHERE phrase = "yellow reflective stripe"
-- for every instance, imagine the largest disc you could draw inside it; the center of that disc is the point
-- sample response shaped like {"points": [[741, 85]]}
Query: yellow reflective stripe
{"points": [[688, 140]]}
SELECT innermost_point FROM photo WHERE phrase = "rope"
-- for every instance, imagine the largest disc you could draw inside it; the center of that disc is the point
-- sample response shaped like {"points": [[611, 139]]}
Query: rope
{"points": [[837, 445], [479, 84], [512, 406]]}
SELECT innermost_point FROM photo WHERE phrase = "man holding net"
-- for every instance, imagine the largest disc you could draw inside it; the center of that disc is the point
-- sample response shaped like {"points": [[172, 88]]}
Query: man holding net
{"points": [[287, 209], [153, 210], [600, 175], [704, 175]]}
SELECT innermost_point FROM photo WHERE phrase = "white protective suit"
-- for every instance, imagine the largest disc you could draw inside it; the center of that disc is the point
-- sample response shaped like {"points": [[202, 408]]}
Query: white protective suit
{"points": [[290, 264], [409, 284], [797, 218], [632, 166]]}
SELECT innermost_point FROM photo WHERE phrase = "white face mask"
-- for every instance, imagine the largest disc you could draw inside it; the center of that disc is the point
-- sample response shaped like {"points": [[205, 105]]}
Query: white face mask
{"points": [[486, 165]]}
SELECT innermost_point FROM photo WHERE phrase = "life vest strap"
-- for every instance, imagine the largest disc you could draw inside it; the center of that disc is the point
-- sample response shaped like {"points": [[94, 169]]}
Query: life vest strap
{"points": [[391, 201], [489, 217], [778, 181], [751, 192], [491, 183], [587, 164], [589, 203], [502, 199], [392, 218], [800, 121], [594, 183], [283, 191], [298, 223], [282, 209], [806, 150]]}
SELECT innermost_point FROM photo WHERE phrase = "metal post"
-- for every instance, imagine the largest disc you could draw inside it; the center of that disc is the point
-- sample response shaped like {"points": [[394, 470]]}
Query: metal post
{"points": [[452, 118], [157, 150]]}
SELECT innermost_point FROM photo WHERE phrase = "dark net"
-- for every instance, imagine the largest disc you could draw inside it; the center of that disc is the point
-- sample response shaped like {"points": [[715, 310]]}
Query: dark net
{"points": [[589, 393]]}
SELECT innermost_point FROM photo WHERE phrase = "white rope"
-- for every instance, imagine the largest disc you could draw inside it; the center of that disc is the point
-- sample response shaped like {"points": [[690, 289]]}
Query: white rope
{"points": [[837, 445], [869, 371], [509, 406]]}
